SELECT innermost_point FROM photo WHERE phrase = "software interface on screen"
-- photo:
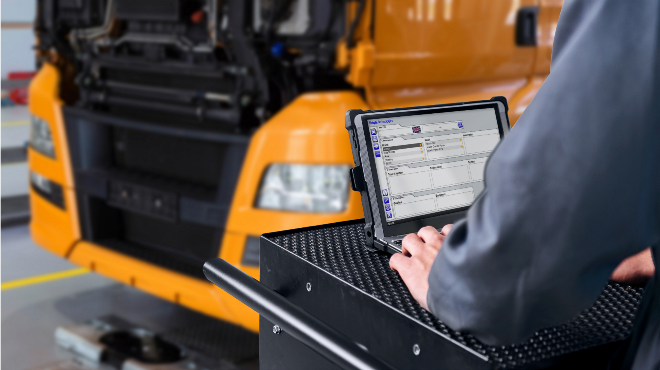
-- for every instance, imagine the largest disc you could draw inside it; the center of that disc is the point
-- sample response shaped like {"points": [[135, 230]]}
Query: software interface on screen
{"points": [[431, 163]]}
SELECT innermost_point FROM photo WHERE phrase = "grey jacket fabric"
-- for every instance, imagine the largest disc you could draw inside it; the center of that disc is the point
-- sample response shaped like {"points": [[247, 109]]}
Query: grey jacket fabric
{"points": [[571, 191]]}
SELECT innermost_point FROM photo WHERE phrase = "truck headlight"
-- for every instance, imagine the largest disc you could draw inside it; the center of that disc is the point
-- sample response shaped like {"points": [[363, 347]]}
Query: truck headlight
{"points": [[304, 188], [41, 139]]}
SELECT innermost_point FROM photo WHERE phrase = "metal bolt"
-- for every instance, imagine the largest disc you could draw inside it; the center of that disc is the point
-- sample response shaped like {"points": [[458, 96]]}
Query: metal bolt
{"points": [[416, 349], [309, 287], [277, 329]]}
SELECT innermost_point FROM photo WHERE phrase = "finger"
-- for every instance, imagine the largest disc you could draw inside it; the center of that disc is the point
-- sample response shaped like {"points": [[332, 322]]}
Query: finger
{"points": [[446, 229], [431, 236], [411, 245], [399, 262]]}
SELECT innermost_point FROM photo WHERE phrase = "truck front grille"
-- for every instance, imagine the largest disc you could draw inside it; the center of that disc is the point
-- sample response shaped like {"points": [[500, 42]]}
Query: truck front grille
{"points": [[173, 157], [156, 192]]}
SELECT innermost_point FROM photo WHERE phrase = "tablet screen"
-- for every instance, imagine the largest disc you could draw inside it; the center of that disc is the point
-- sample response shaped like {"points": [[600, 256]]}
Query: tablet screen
{"points": [[431, 163]]}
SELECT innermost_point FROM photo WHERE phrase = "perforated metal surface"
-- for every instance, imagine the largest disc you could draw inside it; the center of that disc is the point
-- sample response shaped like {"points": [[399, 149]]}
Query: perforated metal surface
{"points": [[341, 251]]}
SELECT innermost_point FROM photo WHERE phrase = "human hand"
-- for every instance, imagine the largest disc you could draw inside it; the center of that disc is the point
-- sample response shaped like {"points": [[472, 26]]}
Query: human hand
{"points": [[418, 254], [636, 269]]}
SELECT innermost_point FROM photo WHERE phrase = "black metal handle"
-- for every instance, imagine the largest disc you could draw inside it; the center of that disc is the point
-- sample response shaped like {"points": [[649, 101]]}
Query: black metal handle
{"points": [[309, 330]]}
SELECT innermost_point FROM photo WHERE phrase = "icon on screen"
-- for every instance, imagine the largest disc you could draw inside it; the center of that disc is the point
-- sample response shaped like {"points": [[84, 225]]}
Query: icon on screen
{"points": [[460, 124], [386, 200], [385, 192], [389, 214], [387, 207], [376, 146], [373, 131], [416, 129], [377, 154], [374, 139]]}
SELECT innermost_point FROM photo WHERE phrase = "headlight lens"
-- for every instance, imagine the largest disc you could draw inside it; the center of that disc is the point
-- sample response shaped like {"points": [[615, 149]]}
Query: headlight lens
{"points": [[304, 188], [40, 137]]}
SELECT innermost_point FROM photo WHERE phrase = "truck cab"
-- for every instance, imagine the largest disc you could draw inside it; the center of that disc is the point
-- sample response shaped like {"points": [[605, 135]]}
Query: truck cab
{"points": [[165, 133]]}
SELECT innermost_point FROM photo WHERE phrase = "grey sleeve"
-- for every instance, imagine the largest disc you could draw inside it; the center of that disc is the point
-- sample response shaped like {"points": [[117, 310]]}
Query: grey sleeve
{"points": [[571, 191]]}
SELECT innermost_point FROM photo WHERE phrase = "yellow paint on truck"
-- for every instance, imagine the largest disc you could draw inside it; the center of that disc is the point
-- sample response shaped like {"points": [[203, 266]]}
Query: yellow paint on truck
{"points": [[410, 53]]}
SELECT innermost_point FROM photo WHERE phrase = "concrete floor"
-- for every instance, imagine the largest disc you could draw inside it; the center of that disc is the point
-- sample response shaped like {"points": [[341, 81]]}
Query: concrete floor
{"points": [[31, 313], [21, 259]]}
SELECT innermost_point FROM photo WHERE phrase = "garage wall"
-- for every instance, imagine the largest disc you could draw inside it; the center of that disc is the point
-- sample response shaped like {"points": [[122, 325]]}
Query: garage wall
{"points": [[17, 36]]}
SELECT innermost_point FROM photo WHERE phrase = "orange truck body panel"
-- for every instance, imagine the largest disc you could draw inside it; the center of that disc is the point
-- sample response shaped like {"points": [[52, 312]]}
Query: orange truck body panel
{"points": [[53, 228], [421, 52]]}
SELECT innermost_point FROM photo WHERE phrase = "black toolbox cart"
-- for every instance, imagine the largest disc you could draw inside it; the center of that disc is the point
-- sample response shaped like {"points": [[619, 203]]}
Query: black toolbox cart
{"points": [[327, 301]]}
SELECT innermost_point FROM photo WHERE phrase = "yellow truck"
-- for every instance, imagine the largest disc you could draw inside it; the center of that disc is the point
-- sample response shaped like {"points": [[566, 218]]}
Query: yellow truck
{"points": [[168, 132]]}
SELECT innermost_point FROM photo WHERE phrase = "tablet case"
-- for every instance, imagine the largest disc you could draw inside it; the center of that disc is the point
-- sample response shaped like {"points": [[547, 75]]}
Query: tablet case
{"points": [[358, 182]]}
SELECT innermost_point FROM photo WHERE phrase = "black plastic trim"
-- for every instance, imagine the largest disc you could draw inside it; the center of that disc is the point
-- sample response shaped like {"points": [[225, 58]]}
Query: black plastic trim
{"points": [[526, 24], [357, 179], [56, 196]]}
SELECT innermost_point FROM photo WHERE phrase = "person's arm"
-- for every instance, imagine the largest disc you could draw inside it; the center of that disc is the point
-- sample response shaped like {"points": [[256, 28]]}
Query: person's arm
{"points": [[421, 249], [572, 190]]}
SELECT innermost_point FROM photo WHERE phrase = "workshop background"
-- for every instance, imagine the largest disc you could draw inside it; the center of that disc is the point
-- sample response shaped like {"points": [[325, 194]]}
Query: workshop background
{"points": [[161, 134]]}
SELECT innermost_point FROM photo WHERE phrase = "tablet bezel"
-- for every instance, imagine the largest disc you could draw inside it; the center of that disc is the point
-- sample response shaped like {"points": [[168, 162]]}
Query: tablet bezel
{"points": [[437, 219]]}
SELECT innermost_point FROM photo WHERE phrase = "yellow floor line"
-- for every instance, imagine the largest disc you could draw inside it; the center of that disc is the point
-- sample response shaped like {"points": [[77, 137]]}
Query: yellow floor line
{"points": [[43, 278], [15, 123]]}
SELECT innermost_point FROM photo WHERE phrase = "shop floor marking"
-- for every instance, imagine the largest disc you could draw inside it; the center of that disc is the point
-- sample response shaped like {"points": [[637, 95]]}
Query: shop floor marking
{"points": [[15, 123], [43, 278]]}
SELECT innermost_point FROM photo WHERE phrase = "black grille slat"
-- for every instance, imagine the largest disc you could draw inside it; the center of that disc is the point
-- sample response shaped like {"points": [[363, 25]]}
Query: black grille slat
{"points": [[193, 161], [342, 252], [161, 10], [208, 82]]}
